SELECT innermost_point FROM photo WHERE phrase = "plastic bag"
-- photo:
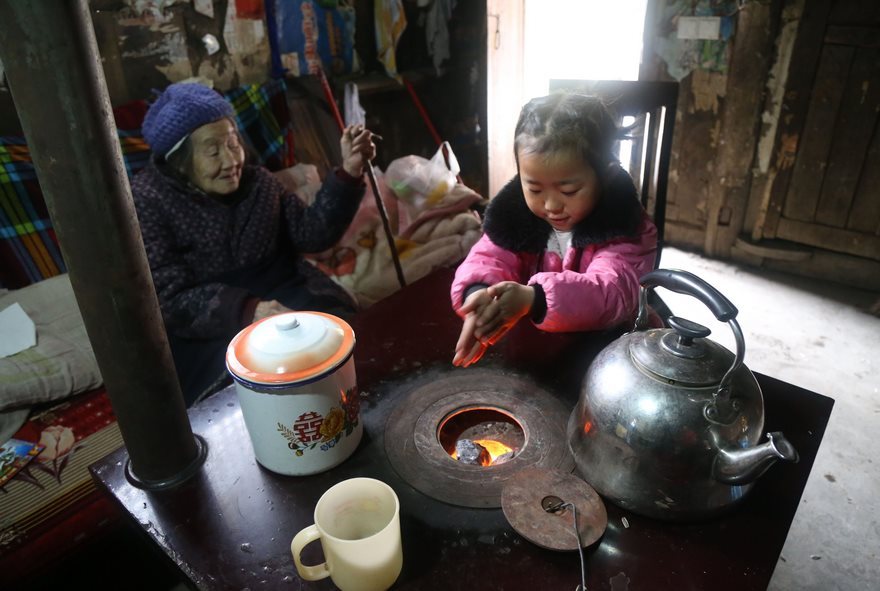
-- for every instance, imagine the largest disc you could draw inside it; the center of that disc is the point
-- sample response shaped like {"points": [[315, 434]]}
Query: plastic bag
{"points": [[422, 183]]}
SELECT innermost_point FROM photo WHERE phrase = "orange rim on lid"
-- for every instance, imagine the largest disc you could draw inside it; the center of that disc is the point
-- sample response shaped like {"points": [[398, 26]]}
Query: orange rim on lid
{"points": [[290, 348]]}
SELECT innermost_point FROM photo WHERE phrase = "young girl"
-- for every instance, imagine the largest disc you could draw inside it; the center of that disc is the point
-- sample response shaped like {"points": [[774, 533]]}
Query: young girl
{"points": [[565, 241]]}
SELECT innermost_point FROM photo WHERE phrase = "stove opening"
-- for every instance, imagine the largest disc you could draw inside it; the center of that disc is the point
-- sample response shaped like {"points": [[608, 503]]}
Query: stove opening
{"points": [[481, 436]]}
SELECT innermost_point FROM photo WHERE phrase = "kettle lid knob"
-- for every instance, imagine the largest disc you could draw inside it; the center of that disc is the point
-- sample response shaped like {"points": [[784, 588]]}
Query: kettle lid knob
{"points": [[682, 341]]}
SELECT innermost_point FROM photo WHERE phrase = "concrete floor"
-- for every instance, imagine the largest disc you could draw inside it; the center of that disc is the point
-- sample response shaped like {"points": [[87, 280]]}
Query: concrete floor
{"points": [[821, 337]]}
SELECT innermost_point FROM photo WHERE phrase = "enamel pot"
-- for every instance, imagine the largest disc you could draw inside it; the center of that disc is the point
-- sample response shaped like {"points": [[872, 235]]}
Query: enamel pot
{"points": [[295, 379], [669, 423]]}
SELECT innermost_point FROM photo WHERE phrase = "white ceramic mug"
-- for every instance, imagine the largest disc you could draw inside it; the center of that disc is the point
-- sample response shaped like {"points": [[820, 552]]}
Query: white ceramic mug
{"points": [[358, 524]]}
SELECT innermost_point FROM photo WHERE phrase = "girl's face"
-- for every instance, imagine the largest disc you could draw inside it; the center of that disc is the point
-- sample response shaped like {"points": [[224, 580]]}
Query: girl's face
{"points": [[218, 158], [559, 187]]}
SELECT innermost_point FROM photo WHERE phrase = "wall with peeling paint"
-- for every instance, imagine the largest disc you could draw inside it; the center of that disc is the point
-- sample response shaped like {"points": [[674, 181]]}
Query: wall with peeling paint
{"points": [[774, 156], [708, 120], [702, 68], [147, 44], [774, 92]]}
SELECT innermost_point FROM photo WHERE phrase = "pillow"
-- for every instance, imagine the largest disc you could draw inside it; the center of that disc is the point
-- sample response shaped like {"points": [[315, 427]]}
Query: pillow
{"points": [[62, 363]]}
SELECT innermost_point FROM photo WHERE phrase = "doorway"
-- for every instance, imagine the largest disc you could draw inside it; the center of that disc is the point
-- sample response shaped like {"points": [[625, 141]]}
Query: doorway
{"points": [[532, 41]]}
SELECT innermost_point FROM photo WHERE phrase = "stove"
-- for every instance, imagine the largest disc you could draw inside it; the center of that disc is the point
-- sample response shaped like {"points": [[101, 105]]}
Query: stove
{"points": [[514, 423]]}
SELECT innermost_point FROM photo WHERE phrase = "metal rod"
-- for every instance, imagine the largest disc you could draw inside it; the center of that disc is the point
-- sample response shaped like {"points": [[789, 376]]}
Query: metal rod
{"points": [[430, 125], [577, 535], [58, 86], [421, 109], [371, 175]]}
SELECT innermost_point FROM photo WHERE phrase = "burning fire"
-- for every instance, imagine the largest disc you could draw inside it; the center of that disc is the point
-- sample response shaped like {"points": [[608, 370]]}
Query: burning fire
{"points": [[495, 449]]}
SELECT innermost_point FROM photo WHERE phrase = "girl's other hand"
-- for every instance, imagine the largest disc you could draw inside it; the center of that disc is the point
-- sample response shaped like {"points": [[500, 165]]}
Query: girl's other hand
{"points": [[357, 149], [468, 350], [476, 302], [510, 302]]}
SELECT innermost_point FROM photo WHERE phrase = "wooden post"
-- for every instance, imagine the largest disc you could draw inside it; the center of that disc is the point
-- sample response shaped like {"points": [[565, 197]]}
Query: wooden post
{"points": [[54, 71], [757, 26]]}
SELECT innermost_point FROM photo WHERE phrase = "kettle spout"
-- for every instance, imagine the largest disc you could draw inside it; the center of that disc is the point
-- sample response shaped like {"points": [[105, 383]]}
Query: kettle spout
{"points": [[742, 466]]}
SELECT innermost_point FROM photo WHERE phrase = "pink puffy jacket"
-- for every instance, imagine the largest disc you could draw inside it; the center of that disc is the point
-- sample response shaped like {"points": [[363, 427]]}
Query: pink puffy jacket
{"points": [[595, 286]]}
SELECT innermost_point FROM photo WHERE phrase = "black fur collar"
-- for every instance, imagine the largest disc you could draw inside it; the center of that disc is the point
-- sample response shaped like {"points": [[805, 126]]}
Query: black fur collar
{"points": [[511, 225]]}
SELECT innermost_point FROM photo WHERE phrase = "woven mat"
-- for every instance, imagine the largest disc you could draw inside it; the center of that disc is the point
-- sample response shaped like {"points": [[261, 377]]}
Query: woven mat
{"points": [[57, 484]]}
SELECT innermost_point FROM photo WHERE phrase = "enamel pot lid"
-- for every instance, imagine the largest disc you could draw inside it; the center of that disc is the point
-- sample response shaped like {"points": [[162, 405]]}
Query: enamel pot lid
{"points": [[290, 348]]}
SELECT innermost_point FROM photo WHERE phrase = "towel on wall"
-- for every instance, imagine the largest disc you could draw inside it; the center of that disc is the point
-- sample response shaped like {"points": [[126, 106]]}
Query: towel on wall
{"points": [[390, 23]]}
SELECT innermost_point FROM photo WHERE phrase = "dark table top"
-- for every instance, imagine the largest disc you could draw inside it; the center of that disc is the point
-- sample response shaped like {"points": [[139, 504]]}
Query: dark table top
{"points": [[230, 526]]}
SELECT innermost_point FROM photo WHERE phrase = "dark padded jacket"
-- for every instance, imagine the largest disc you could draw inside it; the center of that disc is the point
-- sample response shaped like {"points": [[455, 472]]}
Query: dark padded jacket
{"points": [[209, 258]]}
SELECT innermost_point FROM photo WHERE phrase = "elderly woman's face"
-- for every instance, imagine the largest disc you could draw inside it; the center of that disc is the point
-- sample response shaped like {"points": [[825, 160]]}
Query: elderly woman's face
{"points": [[218, 157]]}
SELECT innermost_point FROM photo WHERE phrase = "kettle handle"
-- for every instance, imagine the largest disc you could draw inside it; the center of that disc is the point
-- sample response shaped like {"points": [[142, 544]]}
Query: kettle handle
{"points": [[689, 284]]}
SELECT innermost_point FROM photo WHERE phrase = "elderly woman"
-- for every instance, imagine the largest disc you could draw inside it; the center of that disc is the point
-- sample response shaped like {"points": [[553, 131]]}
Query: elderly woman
{"points": [[224, 239]]}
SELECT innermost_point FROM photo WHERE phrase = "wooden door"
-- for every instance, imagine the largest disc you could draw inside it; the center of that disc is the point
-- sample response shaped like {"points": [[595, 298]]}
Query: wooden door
{"points": [[826, 193]]}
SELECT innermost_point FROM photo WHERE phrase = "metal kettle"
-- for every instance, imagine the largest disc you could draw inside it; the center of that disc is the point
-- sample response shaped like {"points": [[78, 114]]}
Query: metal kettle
{"points": [[668, 422]]}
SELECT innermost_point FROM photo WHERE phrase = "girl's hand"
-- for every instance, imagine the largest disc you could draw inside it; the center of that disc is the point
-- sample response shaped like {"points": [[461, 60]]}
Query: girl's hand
{"points": [[476, 302], [468, 350], [357, 149], [510, 302]]}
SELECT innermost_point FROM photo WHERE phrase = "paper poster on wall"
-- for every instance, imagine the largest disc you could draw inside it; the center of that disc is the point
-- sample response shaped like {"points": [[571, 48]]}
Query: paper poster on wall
{"points": [[312, 36], [249, 9], [150, 7], [156, 39], [242, 36], [695, 35]]}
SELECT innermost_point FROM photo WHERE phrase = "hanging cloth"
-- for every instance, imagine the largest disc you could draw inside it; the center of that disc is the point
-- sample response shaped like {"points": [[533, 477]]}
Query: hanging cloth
{"points": [[437, 31], [390, 22]]}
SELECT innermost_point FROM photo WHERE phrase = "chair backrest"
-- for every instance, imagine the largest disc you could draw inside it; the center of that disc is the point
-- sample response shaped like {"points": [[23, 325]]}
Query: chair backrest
{"points": [[652, 105]]}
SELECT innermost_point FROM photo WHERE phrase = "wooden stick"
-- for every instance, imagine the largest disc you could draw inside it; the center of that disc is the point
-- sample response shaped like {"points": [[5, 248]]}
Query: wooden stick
{"points": [[371, 175]]}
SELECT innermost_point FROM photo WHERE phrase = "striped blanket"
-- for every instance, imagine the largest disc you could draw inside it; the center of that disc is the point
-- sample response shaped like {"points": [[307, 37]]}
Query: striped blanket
{"points": [[28, 245], [264, 119]]}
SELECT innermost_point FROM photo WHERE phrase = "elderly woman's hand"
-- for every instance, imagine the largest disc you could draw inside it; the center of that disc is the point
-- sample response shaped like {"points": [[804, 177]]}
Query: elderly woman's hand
{"points": [[270, 308], [357, 149]]}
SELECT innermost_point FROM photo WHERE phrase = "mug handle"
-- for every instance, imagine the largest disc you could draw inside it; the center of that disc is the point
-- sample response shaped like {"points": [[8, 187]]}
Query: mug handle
{"points": [[300, 541]]}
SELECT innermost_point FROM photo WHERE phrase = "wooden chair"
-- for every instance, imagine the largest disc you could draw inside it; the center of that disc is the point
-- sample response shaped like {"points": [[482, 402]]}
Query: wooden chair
{"points": [[652, 105]]}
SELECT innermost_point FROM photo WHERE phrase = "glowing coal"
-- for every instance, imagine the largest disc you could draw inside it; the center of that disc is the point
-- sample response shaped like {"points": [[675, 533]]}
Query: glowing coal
{"points": [[481, 436]]}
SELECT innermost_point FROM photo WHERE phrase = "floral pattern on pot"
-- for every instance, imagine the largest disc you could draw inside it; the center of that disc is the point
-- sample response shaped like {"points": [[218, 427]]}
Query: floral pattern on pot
{"points": [[312, 429]]}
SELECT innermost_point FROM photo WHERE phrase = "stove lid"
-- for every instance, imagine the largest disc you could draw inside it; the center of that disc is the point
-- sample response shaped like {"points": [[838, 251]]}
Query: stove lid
{"points": [[537, 503]]}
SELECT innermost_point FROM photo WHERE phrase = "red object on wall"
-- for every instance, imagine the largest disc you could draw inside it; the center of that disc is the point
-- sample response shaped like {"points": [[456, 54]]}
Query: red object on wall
{"points": [[249, 9]]}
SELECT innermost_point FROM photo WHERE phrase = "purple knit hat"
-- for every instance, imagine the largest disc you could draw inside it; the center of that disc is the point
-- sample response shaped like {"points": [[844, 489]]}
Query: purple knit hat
{"points": [[179, 111]]}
